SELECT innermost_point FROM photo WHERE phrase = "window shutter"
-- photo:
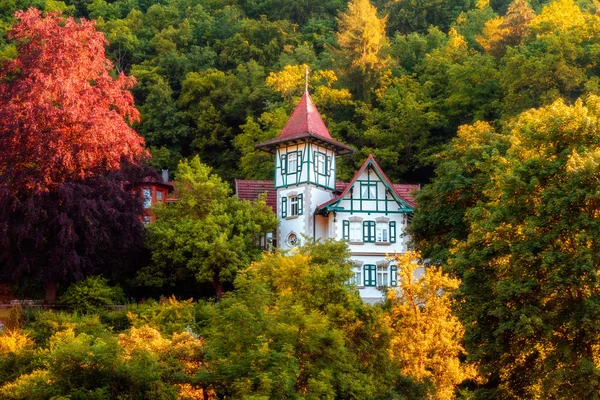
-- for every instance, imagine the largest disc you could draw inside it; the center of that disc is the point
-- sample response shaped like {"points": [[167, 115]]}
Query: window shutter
{"points": [[328, 166], [283, 207], [368, 231], [300, 204], [346, 229], [393, 231], [299, 161], [283, 160], [393, 275], [315, 162], [369, 277]]}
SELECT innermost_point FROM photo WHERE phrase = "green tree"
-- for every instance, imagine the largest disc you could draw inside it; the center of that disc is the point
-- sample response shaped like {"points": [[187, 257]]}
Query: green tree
{"points": [[207, 235], [463, 171], [529, 297], [293, 328]]}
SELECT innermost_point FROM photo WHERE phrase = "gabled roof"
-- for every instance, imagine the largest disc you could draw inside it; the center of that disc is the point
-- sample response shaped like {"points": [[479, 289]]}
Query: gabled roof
{"points": [[305, 123], [251, 189], [399, 191]]}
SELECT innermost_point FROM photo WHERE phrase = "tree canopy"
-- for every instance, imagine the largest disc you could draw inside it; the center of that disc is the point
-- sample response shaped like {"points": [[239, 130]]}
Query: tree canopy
{"points": [[208, 235]]}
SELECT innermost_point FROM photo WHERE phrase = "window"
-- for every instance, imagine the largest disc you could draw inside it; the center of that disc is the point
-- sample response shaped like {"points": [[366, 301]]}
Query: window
{"points": [[321, 163], [368, 191], [146, 219], [356, 279], [355, 233], [393, 275], [293, 162], [147, 198], [292, 239], [368, 231], [382, 232], [382, 275], [352, 231], [369, 275], [159, 196], [294, 205]]}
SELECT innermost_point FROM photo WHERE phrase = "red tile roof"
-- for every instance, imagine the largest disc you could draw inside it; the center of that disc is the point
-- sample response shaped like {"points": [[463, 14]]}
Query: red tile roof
{"points": [[305, 122], [250, 190]]}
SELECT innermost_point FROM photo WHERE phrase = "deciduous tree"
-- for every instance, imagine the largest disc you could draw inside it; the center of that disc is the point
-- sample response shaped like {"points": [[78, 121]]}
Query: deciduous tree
{"points": [[62, 115], [529, 297], [208, 235]]}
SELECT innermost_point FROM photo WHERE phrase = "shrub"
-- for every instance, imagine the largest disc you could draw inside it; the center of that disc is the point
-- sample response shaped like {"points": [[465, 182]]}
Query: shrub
{"points": [[91, 295]]}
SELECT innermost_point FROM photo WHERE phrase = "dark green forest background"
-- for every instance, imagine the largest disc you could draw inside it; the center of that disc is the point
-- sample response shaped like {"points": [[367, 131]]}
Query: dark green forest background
{"points": [[202, 68]]}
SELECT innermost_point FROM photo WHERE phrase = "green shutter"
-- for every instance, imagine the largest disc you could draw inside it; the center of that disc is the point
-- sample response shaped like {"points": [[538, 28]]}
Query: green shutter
{"points": [[369, 278], [369, 231], [315, 162], [300, 204], [346, 229], [299, 161], [393, 275], [283, 207], [393, 231], [283, 161], [328, 165]]}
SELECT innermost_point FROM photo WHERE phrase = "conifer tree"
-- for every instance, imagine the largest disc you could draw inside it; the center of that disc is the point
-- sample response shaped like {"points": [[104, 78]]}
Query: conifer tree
{"points": [[362, 38]]}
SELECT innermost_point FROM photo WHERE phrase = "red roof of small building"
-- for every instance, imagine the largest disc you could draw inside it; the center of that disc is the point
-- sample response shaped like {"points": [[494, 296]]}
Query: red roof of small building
{"points": [[251, 189], [305, 122]]}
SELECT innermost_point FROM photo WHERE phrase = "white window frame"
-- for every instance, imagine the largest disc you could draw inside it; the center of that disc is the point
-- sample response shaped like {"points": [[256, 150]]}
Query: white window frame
{"points": [[292, 163], [321, 163], [293, 206], [356, 278], [383, 275], [356, 234], [368, 190], [382, 234]]}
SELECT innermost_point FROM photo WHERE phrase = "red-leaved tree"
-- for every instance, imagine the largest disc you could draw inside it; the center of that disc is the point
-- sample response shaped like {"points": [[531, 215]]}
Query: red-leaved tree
{"points": [[67, 156], [62, 115]]}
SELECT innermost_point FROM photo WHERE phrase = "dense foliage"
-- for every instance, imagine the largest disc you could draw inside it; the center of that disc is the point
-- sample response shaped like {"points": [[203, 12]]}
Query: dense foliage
{"points": [[67, 157], [414, 71], [292, 328], [208, 235]]}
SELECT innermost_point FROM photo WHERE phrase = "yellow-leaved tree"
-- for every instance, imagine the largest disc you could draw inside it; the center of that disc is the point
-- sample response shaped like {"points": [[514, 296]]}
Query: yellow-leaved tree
{"points": [[362, 38], [427, 337]]}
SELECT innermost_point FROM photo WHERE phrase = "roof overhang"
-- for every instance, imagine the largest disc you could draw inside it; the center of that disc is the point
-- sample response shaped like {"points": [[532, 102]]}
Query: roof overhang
{"points": [[272, 145]]}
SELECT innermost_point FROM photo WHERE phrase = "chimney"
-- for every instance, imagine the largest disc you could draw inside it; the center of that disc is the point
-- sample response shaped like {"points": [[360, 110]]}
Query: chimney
{"points": [[165, 175]]}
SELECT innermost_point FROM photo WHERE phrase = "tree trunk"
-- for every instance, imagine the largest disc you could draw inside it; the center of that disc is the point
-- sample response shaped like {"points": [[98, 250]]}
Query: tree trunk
{"points": [[50, 297], [218, 289]]}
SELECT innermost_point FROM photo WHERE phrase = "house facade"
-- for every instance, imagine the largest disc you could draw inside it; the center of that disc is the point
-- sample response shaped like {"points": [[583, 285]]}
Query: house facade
{"points": [[369, 212]]}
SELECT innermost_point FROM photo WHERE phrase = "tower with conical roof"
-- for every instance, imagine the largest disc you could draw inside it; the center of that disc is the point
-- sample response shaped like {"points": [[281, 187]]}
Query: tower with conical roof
{"points": [[305, 173]]}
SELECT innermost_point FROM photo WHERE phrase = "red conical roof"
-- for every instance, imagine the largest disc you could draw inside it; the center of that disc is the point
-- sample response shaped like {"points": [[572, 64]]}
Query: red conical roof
{"points": [[305, 122], [305, 118]]}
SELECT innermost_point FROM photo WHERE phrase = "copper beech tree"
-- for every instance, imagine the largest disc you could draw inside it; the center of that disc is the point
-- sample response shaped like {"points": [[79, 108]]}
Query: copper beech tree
{"points": [[62, 115], [65, 135]]}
